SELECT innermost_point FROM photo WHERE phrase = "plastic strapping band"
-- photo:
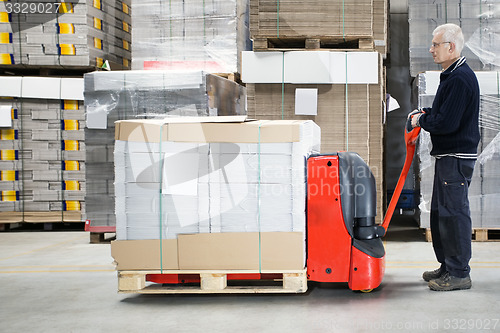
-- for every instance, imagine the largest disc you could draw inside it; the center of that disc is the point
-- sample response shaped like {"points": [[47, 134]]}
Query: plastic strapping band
{"points": [[21, 140], [204, 33], [61, 116], [283, 87], [160, 175], [204, 25], [278, 18], [258, 199], [446, 11], [343, 19], [58, 42], [480, 25], [170, 18], [20, 48]]}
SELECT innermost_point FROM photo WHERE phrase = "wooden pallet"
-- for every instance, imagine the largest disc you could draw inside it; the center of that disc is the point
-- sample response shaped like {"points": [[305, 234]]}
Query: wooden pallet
{"points": [[478, 235], [486, 235], [100, 237], [338, 43], [212, 282]]}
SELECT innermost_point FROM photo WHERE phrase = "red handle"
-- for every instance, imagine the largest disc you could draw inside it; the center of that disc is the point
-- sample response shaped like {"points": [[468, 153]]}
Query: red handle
{"points": [[410, 139]]}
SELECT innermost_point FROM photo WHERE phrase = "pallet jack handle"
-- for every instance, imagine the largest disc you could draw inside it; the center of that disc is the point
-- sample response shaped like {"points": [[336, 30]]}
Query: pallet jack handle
{"points": [[411, 136]]}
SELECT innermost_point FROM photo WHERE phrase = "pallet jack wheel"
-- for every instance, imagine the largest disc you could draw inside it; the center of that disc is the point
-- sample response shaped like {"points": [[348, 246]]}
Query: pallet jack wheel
{"points": [[366, 290]]}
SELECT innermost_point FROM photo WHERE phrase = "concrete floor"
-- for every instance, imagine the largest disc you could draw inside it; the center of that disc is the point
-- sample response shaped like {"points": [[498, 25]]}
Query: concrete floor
{"points": [[58, 282]]}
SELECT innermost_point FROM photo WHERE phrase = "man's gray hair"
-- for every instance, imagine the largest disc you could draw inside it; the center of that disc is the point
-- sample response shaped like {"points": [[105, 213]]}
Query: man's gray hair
{"points": [[451, 33]]}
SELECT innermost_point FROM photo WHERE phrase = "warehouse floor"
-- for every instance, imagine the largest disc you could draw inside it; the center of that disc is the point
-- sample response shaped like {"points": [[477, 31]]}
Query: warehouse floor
{"points": [[58, 282]]}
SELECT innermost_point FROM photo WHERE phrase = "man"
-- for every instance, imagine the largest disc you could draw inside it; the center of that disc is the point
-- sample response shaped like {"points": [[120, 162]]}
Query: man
{"points": [[453, 125]]}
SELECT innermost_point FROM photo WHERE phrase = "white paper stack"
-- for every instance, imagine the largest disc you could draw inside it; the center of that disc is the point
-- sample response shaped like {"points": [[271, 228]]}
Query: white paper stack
{"points": [[163, 190]]}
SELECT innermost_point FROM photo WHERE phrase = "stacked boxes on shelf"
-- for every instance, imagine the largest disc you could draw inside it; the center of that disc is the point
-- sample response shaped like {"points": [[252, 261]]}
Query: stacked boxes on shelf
{"points": [[120, 95], [341, 87], [218, 184], [184, 43], [362, 22], [72, 37], [195, 34], [42, 149], [479, 21], [484, 191], [74, 33]]}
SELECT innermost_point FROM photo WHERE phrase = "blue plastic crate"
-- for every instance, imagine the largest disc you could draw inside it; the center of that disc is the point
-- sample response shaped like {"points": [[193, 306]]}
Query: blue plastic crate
{"points": [[406, 199]]}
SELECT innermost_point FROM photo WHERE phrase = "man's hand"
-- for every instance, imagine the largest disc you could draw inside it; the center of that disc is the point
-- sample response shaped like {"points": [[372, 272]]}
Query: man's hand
{"points": [[415, 120], [414, 116]]}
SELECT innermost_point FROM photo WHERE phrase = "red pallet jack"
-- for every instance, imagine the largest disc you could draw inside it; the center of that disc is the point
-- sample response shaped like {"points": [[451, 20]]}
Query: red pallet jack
{"points": [[343, 242]]}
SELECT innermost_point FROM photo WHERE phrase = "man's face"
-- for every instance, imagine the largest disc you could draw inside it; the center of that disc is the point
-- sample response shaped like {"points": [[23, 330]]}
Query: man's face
{"points": [[441, 51]]}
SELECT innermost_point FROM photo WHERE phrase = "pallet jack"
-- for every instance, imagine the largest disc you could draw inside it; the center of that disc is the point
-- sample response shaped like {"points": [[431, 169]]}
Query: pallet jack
{"points": [[343, 242]]}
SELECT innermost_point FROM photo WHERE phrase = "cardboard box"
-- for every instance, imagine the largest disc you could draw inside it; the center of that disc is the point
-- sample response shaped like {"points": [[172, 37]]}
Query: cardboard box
{"points": [[208, 129], [313, 67], [42, 87], [216, 251], [144, 254]]}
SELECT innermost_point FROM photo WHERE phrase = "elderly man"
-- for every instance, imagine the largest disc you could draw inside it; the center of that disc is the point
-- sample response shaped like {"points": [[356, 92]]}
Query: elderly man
{"points": [[453, 125]]}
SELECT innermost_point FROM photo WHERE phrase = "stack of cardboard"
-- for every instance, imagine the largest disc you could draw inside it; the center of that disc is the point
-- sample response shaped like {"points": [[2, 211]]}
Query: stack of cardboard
{"points": [[479, 21], [120, 95], [484, 191], [42, 149], [343, 92], [288, 18], [197, 34], [230, 183], [330, 21], [70, 34]]}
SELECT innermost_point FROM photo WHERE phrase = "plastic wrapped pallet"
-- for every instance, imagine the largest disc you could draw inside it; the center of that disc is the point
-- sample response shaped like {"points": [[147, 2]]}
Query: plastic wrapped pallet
{"points": [[484, 191], [212, 176], [115, 95], [343, 92], [74, 34], [42, 150], [480, 23], [194, 34]]}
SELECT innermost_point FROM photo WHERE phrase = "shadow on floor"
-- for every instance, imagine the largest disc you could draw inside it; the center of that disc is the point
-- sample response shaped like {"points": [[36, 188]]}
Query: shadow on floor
{"points": [[48, 226]]}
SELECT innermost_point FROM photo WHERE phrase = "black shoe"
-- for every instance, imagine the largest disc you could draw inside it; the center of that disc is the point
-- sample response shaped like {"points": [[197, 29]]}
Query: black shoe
{"points": [[432, 275], [449, 283]]}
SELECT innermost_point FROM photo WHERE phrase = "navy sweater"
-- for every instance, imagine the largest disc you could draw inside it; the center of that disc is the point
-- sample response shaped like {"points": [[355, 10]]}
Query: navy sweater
{"points": [[453, 120]]}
